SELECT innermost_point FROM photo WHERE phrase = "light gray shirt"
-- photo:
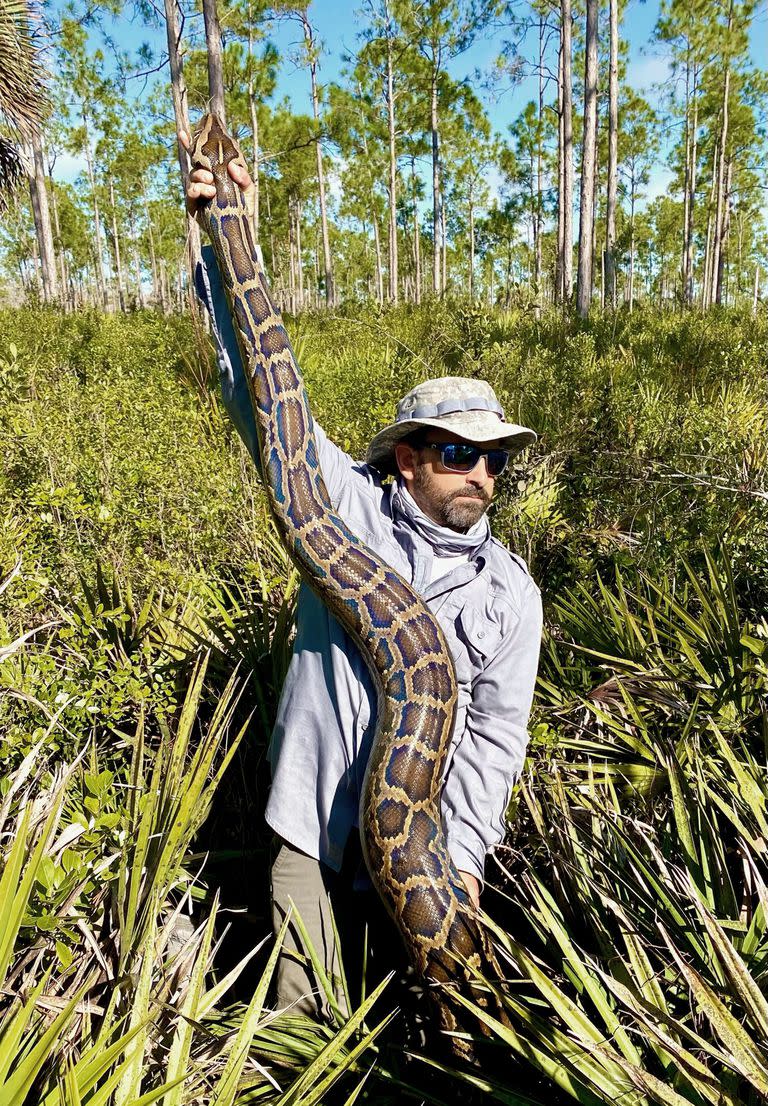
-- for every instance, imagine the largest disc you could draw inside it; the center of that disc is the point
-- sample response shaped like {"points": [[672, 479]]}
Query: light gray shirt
{"points": [[490, 611]]}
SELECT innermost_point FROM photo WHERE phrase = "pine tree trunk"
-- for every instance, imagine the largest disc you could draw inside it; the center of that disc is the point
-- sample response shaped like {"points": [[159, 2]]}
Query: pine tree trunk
{"points": [[116, 248], [255, 138], [379, 274], [101, 284], [393, 259], [588, 158], [632, 249], [165, 295], [471, 248], [137, 272], [181, 116], [66, 291], [379, 268], [706, 288], [719, 286], [539, 173], [684, 267], [299, 262], [314, 299], [436, 267], [157, 292], [720, 207], [35, 280], [691, 197], [567, 198], [291, 260], [255, 169], [40, 210], [560, 167], [443, 245], [532, 207], [416, 238], [613, 150], [215, 60], [276, 254], [309, 42]]}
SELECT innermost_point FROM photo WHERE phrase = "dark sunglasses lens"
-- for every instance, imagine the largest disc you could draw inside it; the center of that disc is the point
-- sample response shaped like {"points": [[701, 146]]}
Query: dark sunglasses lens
{"points": [[459, 457], [496, 460]]}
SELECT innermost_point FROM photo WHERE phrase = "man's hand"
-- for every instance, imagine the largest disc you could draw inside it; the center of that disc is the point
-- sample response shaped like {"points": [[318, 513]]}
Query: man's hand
{"points": [[201, 186], [472, 884]]}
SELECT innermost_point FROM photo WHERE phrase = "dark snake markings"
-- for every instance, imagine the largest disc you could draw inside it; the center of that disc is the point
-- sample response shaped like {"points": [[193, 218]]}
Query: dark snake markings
{"points": [[400, 639]]}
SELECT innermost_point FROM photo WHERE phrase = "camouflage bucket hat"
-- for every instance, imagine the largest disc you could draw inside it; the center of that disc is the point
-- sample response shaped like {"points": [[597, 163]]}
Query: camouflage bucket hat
{"points": [[464, 406]]}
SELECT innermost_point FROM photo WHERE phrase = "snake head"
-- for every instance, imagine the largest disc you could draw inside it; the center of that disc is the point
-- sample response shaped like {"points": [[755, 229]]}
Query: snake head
{"points": [[213, 149]]}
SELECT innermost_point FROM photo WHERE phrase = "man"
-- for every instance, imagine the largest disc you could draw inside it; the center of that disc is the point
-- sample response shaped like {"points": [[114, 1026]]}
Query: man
{"points": [[447, 446]]}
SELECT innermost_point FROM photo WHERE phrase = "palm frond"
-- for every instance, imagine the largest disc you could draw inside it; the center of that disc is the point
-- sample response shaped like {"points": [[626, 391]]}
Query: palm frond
{"points": [[22, 99]]}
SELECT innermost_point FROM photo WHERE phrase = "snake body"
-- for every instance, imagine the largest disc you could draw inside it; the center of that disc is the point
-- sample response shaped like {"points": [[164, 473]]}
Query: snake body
{"points": [[402, 642]]}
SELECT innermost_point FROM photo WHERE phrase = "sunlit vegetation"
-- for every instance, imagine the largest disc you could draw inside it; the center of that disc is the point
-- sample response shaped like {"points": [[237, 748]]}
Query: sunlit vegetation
{"points": [[145, 620]]}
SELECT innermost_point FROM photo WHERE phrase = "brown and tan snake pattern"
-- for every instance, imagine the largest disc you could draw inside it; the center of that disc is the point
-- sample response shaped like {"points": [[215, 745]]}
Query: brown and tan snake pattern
{"points": [[400, 639]]}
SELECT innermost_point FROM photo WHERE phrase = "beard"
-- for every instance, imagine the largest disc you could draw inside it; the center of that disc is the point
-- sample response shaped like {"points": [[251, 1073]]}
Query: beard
{"points": [[457, 510]]}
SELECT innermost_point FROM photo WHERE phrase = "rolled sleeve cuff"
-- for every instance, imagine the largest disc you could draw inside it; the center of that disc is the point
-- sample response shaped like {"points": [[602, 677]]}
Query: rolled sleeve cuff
{"points": [[467, 861]]}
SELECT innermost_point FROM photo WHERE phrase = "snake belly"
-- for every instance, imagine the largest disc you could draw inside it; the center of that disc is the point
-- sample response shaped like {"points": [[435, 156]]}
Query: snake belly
{"points": [[401, 640]]}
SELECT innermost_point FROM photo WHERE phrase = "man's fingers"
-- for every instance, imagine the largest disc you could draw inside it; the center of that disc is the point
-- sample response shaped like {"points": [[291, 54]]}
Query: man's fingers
{"points": [[240, 175], [200, 191], [201, 187], [197, 191]]}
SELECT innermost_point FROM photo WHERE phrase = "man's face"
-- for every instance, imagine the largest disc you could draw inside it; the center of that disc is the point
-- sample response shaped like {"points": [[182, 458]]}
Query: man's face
{"points": [[454, 499]]}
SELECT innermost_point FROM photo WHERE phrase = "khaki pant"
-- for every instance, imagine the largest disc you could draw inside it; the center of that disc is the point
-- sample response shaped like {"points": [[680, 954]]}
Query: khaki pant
{"points": [[315, 891], [302, 882]]}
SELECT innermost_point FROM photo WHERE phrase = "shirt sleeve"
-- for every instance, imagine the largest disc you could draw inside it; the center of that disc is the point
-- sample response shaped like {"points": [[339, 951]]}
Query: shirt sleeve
{"points": [[491, 753], [337, 466], [234, 387]]}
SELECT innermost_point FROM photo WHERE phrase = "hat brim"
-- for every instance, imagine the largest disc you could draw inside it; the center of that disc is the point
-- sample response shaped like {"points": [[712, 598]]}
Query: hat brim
{"points": [[477, 427]]}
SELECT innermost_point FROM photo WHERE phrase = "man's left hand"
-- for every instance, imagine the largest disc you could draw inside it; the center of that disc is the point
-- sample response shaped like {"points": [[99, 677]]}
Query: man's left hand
{"points": [[472, 884]]}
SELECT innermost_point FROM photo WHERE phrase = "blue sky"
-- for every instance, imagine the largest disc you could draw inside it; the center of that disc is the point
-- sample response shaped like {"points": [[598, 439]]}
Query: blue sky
{"points": [[338, 31]]}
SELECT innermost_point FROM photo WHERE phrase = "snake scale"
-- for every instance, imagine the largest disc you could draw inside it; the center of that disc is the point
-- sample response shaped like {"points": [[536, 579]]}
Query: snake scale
{"points": [[402, 642]]}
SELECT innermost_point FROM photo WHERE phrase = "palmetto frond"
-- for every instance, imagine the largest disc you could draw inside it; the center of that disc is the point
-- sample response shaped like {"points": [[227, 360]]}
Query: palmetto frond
{"points": [[22, 101], [22, 90], [11, 166]]}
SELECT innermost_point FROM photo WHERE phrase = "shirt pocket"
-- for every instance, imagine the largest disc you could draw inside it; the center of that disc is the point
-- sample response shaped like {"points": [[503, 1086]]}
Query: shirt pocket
{"points": [[480, 635]]}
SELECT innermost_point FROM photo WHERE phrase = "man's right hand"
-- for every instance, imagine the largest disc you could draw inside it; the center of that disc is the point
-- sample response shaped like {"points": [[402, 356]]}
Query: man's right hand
{"points": [[201, 186]]}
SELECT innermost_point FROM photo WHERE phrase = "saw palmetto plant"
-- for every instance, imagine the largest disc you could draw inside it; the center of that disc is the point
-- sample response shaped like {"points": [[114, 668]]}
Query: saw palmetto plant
{"points": [[635, 925]]}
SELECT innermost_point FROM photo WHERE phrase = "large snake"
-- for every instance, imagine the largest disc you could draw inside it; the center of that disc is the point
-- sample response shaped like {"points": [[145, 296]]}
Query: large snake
{"points": [[399, 637]]}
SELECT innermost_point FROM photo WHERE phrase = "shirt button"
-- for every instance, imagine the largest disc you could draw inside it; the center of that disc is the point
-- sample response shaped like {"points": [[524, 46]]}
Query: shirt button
{"points": [[481, 633]]}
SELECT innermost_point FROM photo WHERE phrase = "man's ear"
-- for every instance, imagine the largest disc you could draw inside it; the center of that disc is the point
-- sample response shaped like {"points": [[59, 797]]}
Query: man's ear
{"points": [[405, 458]]}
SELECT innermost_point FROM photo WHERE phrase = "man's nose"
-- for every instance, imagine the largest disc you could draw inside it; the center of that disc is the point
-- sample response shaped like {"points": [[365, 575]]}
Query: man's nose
{"points": [[479, 474]]}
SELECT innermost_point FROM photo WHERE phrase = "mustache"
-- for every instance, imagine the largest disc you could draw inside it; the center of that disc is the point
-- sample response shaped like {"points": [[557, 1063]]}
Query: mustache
{"points": [[467, 493]]}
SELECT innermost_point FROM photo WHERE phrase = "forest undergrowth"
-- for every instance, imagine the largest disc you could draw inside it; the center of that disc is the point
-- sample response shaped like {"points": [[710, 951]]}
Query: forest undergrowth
{"points": [[145, 618]]}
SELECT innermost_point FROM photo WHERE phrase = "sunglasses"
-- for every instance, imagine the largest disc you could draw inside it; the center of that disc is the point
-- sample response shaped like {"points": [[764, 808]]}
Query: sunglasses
{"points": [[463, 457]]}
